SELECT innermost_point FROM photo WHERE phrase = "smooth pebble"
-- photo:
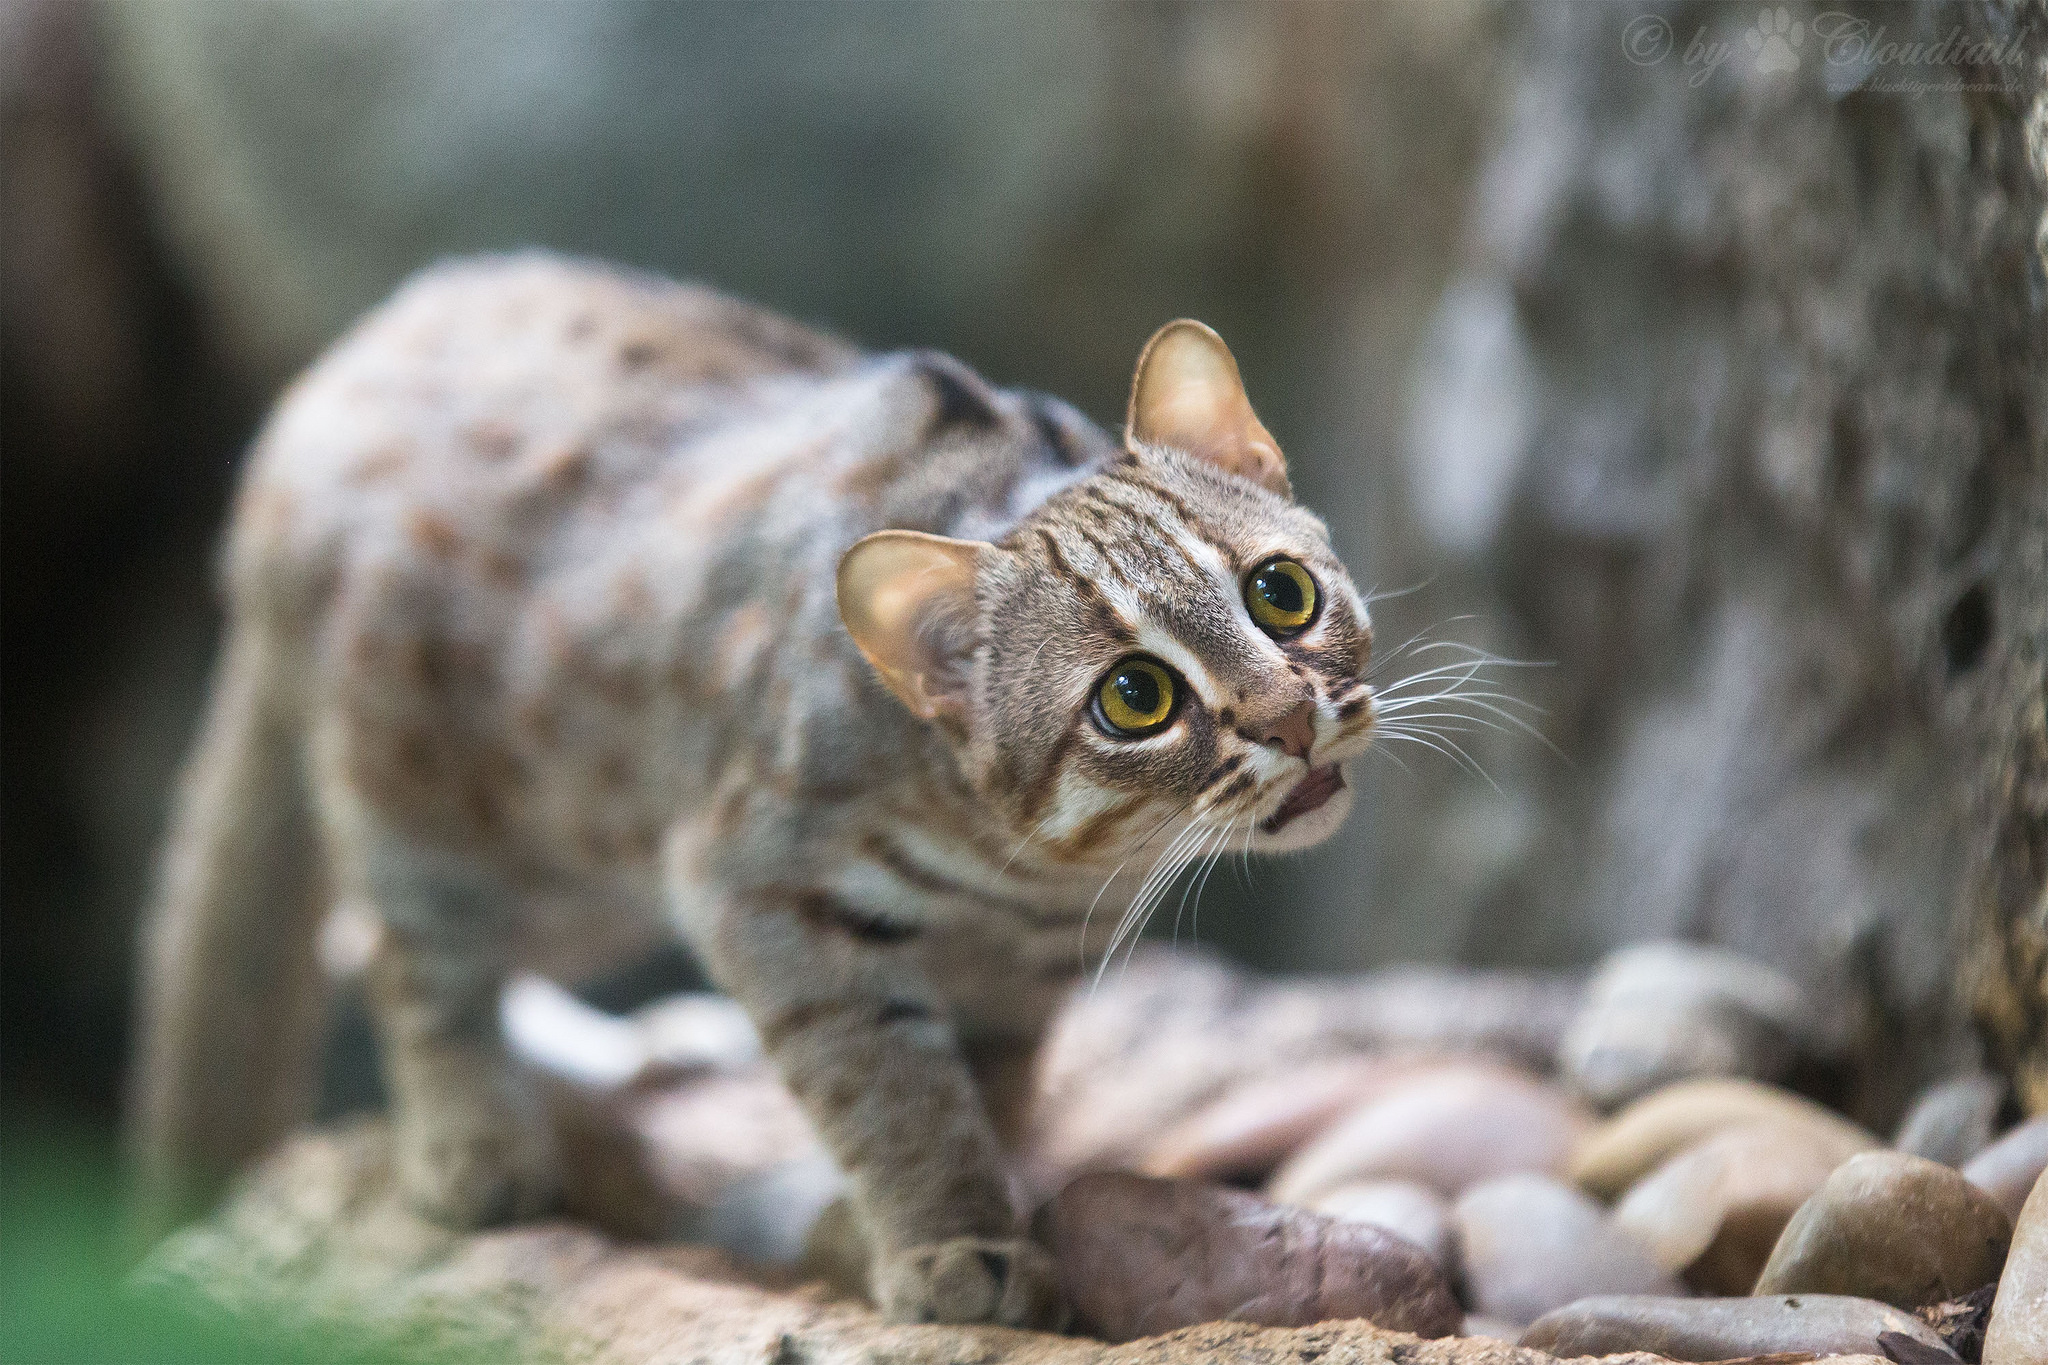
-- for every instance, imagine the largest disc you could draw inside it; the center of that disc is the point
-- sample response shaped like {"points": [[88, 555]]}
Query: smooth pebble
{"points": [[2018, 1332], [1892, 1227], [1634, 1142], [1140, 1256], [1668, 1011], [1713, 1212], [1953, 1120], [1447, 1130], [1254, 1126], [1726, 1328], [1403, 1208], [2009, 1167], [1529, 1243]]}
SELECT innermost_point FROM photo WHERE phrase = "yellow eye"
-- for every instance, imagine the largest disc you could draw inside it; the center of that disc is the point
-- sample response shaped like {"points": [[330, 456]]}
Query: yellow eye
{"points": [[1281, 596], [1135, 699]]}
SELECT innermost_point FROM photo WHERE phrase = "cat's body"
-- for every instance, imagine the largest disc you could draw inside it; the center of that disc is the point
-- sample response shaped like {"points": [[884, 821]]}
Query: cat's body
{"points": [[536, 593]]}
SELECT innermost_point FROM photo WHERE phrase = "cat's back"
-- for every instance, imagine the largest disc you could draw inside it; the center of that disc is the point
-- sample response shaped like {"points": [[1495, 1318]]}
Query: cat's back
{"points": [[486, 402]]}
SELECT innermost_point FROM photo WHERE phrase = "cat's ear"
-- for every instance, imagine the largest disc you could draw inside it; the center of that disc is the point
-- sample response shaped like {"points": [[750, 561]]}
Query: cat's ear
{"points": [[908, 601], [1187, 394]]}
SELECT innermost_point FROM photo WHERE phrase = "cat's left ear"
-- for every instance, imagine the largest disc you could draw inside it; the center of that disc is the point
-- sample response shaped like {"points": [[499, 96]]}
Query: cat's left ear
{"points": [[907, 599], [1187, 394]]}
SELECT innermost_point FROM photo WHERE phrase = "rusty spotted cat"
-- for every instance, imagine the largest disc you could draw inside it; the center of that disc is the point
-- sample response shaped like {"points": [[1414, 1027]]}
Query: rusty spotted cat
{"points": [[568, 605]]}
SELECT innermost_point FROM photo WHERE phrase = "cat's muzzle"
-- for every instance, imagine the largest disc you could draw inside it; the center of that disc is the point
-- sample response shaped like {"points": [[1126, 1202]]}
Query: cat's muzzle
{"points": [[1313, 792]]}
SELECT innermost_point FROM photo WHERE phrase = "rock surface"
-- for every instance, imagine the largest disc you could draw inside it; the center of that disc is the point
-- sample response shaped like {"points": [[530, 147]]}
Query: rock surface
{"points": [[1529, 1244], [1669, 1011], [314, 1239], [1713, 1212], [1725, 1329], [2018, 1331], [1643, 1136], [1139, 1256], [1892, 1227], [1447, 1129], [1403, 1208], [1952, 1121], [2008, 1169]]}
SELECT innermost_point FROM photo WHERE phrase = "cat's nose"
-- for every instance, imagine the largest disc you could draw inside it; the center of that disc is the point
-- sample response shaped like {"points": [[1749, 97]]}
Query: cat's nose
{"points": [[1294, 734]]}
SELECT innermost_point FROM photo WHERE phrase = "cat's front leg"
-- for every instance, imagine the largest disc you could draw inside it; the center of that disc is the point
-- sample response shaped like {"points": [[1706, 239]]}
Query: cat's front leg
{"points": [[472, 1145], [862, 1041]]}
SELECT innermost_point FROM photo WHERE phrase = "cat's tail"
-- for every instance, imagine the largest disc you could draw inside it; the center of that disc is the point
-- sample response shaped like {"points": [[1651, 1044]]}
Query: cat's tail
{"points": [[231, 1001]]}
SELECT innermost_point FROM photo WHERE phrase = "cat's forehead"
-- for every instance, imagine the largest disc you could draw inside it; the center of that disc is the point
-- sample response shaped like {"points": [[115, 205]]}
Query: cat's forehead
{"points": [[1150, 555], [1164, 523]]}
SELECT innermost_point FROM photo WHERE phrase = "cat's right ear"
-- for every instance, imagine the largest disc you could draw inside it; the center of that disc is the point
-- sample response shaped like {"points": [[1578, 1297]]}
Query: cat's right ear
{"points": [[1188, 394], [907, 599]]}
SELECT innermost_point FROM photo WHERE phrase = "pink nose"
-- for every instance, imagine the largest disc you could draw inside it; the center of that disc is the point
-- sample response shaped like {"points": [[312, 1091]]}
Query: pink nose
{"points": [[1294, 734]]}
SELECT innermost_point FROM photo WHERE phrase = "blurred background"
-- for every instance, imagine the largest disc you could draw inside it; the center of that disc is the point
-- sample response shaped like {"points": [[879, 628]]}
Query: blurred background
{"points": [[1710, 374]]}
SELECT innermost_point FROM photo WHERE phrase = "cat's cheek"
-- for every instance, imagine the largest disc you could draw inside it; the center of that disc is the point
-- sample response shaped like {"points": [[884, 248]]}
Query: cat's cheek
{"points": [[1306, 831]]}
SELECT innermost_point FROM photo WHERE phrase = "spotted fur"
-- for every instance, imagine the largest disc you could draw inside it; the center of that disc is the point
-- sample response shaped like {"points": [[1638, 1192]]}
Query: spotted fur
{"points": [[533, 630]]}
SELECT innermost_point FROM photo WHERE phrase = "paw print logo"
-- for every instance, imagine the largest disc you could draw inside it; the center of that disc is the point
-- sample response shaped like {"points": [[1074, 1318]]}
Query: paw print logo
{"points": [[1775, 40]]}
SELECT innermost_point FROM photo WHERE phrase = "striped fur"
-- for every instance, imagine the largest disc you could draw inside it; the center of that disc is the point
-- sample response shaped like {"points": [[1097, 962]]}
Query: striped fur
{"points": [[539, 562]]}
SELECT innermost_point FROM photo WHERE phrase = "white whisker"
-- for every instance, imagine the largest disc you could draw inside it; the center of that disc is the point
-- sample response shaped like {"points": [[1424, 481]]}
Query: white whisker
{"points": [[1081, 945], [1170, 862]]}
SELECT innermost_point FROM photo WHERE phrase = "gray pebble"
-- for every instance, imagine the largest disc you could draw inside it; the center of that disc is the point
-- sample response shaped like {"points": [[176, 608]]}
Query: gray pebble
{"points": [[1953, 1120], [2008, 1168], [1530, 1244], [1662, 1012], [1726, 1329], [1403, 1208]]}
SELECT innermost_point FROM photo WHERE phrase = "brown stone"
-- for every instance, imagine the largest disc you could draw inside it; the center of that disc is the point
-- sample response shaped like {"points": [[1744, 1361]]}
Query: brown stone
{"points": [[1713, 1212], [2018, 1331], [1726, 1329], [1892, 1227], [1447, 1130], [1641, 1137], [1140, 1256]]}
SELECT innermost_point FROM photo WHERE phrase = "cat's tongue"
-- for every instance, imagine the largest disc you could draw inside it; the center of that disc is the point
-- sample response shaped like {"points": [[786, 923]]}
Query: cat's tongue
{"points": [[1317, 786]]}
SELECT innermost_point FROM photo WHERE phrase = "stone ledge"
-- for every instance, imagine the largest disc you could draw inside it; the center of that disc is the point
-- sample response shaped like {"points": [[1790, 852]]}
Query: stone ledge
{"points": [[313, 1238]]}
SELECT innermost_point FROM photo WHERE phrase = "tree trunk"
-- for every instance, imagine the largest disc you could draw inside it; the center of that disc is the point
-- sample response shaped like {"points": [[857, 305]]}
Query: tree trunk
{"points": [[1741, 409]]}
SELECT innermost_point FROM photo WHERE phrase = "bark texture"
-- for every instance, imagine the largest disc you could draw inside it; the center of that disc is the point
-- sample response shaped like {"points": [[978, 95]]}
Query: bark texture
{"points": [[1741, 409]]}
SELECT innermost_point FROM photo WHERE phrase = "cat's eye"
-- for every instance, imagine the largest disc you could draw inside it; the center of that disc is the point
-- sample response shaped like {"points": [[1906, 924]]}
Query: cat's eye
{"points": [[1281, 596], [1136, 698]]}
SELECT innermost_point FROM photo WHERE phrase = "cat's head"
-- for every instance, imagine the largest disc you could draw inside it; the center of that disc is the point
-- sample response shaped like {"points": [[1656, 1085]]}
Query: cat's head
{"points": [[1168, 648]]}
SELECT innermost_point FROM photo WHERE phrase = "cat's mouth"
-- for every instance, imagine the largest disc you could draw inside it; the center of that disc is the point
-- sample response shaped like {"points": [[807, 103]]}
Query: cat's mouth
{"points": [[1314, 790]]}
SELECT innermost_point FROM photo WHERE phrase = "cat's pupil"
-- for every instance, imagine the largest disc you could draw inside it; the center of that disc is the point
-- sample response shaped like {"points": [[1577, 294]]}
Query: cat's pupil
{"points": [[1139, 690], [1280, 590]]}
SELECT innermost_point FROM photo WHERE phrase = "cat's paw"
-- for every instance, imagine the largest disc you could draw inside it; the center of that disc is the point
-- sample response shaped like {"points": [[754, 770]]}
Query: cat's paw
{"points": [[476, 1164], [1011, 1282]]}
